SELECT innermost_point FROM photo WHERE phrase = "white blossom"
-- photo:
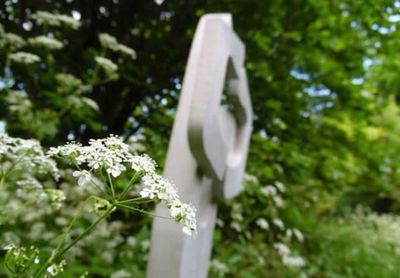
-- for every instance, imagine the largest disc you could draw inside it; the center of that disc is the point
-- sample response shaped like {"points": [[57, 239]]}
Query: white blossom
{"points": [[12, 40], [282, 249], [55, 20], [219, 267], [24, 58], [293, 261], [112, 155], [28, 157], [108, 41], [298, 235], [57, 197], [55, 269], [279, 223], [269, 190], [45, 42], [262, 223], [185, 213], [122, 273], [236, 226], [280, 186], [143, 163], [83, 176], [123, 49], [278, 201], [109, 66]]}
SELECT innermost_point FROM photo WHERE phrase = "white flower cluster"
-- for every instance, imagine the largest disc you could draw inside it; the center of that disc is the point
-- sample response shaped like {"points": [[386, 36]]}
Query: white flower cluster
{"points": [[56, 20], [109, 66], [111, 43], [19, 259], [273, 192], [26, 155], [262, 223], [158, 188], [24, 58], [45, 42], [287, 258], [112, 155], [11, 40], [279, 223], [237, 217], [55, 269], [57, 197], [109, 153], [219, 267]]}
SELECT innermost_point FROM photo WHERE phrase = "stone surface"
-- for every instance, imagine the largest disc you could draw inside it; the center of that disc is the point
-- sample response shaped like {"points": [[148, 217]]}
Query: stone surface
{"points": [[208, 148]]}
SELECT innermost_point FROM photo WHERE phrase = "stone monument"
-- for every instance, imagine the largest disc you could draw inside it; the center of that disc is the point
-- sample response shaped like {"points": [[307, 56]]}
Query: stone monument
{"points": [[208, 148]]}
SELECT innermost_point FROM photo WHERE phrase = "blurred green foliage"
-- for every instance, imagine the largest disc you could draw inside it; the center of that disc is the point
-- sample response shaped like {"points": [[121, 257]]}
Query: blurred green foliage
{"points": [[323, 77]]}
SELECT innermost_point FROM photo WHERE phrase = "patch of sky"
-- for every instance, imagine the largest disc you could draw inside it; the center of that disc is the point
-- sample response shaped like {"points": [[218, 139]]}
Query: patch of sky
{"points": [[300, 75], [76, 15], [6, 83], [318, 91], [368, 62], [383, 29], [357, 81], [394, 18]]}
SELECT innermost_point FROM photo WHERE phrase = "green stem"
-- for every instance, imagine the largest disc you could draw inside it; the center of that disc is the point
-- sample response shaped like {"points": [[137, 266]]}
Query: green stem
{"points": [[6, 173], [118, 204], [111, 186], [59, 254], [136, 201], [135, 178]]}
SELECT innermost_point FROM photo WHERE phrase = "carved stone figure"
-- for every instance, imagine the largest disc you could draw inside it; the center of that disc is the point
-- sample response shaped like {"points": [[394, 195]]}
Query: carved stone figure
{"points": [[208, 147]]}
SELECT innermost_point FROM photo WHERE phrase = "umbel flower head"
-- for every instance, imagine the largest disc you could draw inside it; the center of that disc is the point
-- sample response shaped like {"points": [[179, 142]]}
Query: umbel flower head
{"points": [[25, 155], [45, 42], [24, 58], [112, 156]]}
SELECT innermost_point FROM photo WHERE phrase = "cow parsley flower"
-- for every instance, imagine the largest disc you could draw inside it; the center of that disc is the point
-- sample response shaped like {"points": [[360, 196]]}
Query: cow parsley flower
{"points": [[26, 156], [269, 190], [83, 176], [55, 20], [280, 186], [108, 41], [185, 213], [282, 249], [20, 259], [262, 223], [113, 156], [293, 261], [69, 21], [46, 42], [299, 236], [279, 223], [55, 269], [219, 267], [123, 49], [24, 58], [106, 64], [57, 197], [143, 163], [158, 188], [12, 40]]}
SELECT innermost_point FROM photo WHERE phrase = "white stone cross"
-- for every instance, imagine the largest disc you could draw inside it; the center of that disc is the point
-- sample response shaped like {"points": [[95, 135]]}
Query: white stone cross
{"points": [[208, 148]]}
